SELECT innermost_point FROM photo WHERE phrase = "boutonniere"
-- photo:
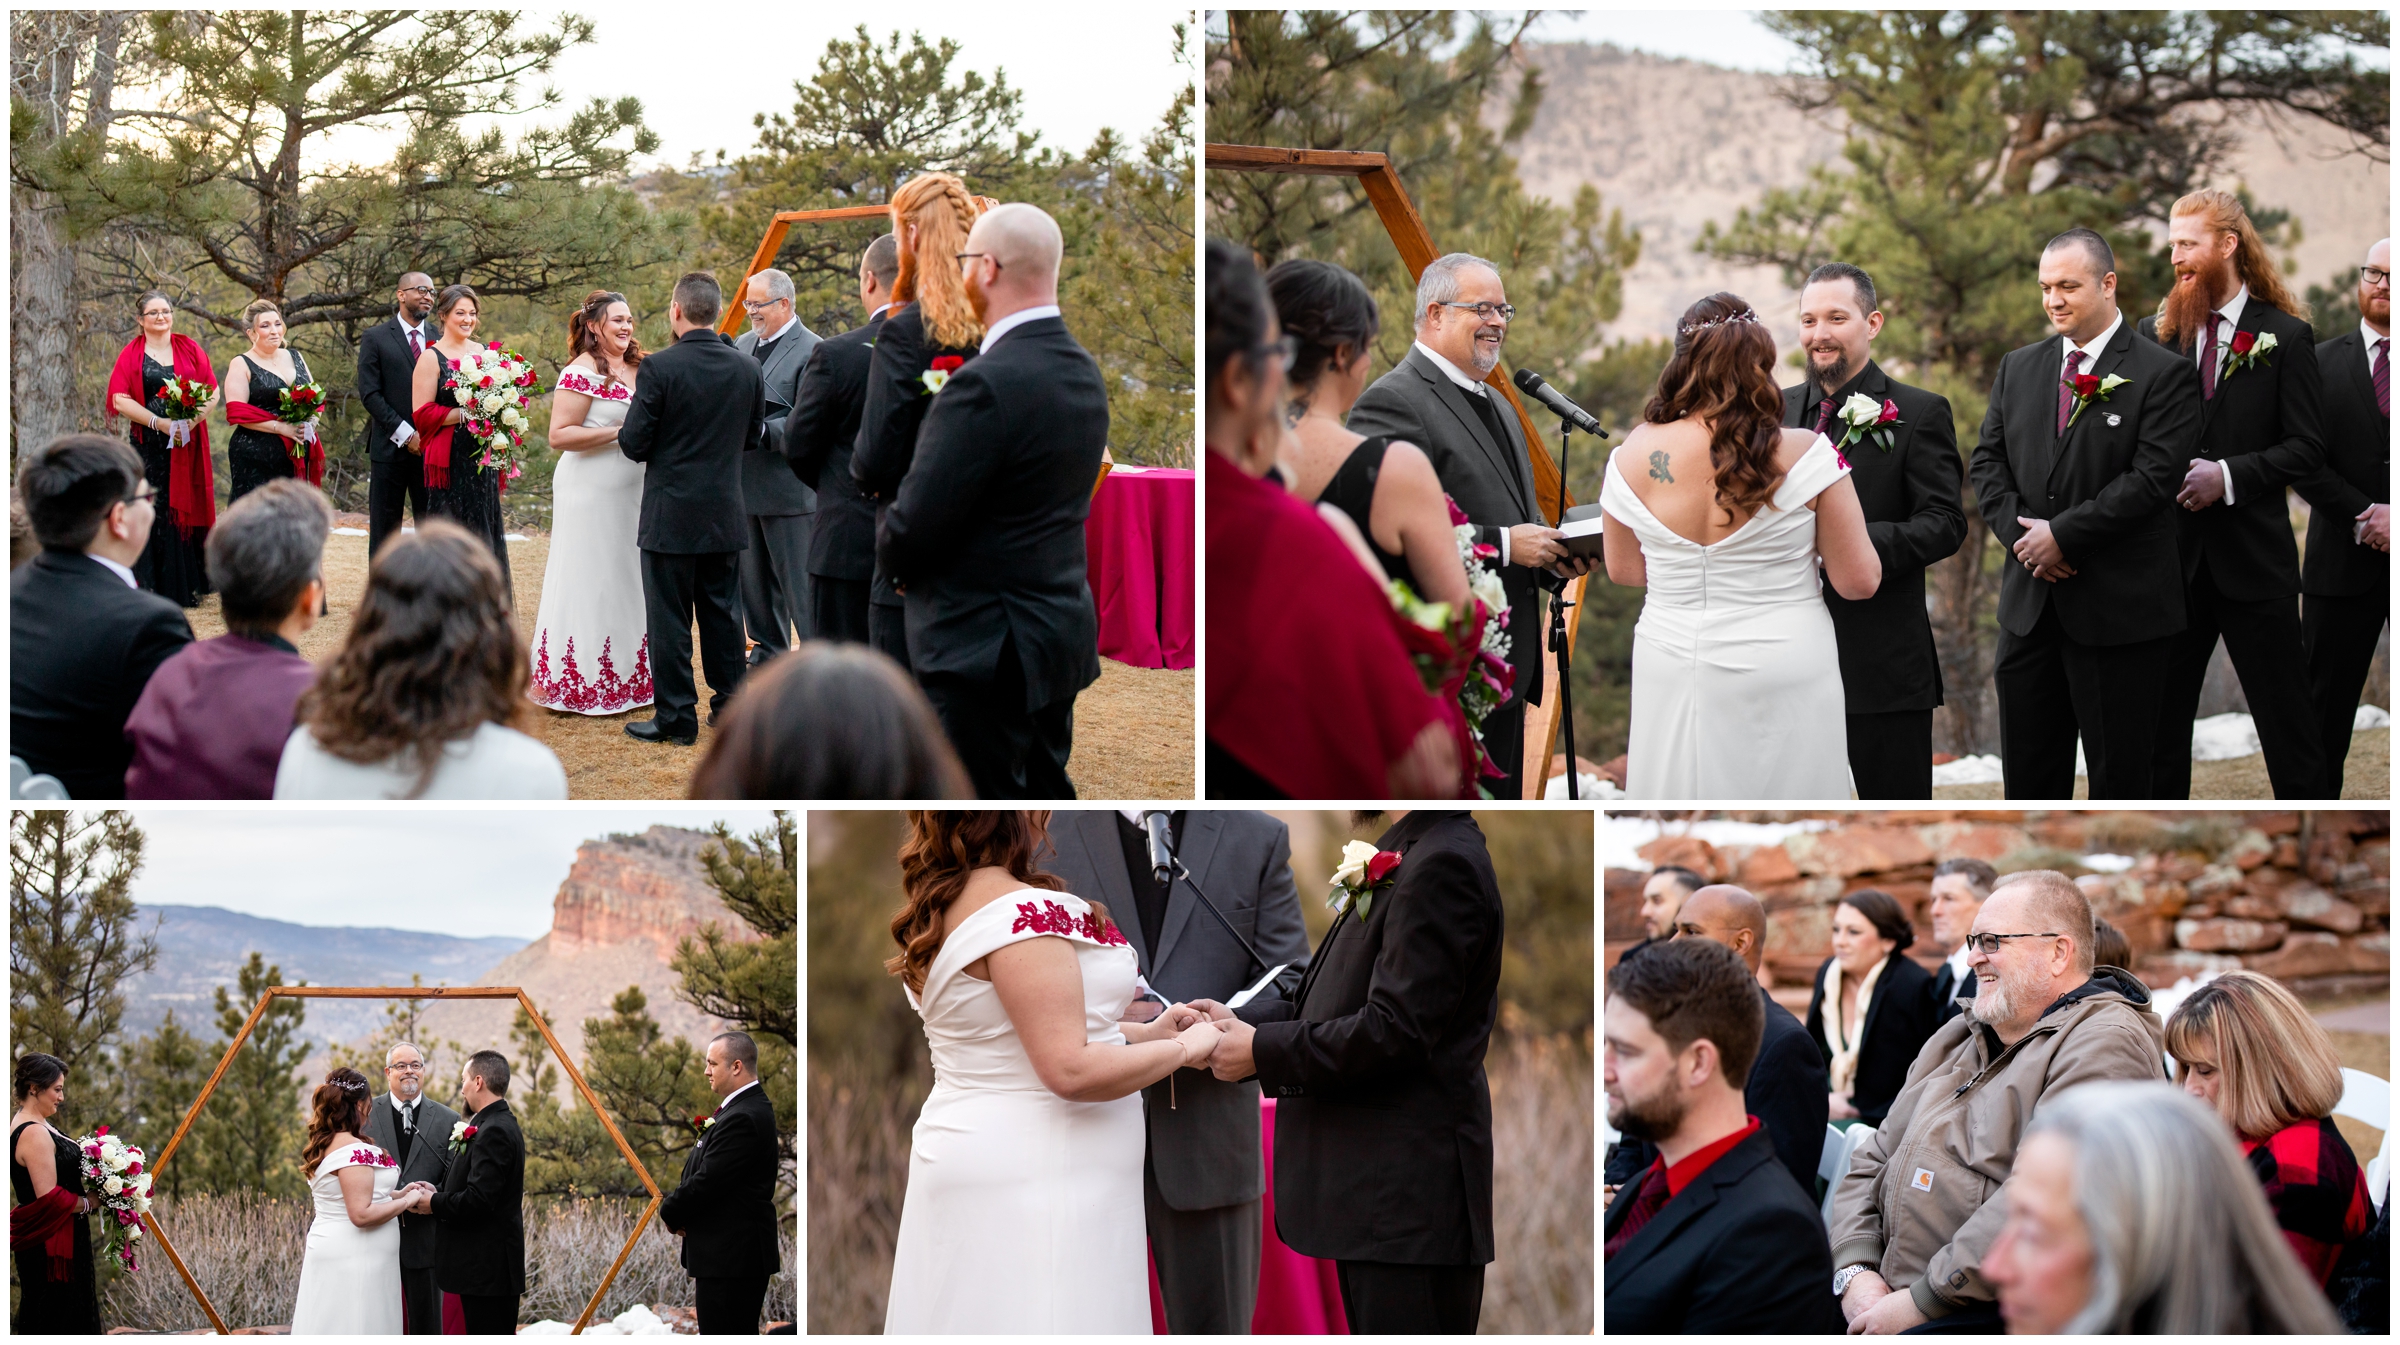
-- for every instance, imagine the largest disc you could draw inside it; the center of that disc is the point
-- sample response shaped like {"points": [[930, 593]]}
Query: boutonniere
{"points": [[459, 1135], [1364, 870], [1864, 419], [2246, 349], [937, 377], [702, 1123], [2089, 388]]}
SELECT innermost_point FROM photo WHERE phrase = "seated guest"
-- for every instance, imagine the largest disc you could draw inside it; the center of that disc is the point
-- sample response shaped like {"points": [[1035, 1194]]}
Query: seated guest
{"points": [[2244, 1045], [423, 700], [1916, 1213], [1872, 1008], [834, 721], [2127, 1214], [2109, 948], [1714, 1236], [1663, 893], [1959, 887], [215, 717], [82, 638]]}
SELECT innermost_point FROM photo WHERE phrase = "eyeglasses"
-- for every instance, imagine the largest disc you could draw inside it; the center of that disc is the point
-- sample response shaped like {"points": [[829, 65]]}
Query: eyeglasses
{"points": [[1990, 943], [416, 289], [1506, 312], [759, 305], [158, 312], [2375, 275], [1285, 351], [146, 494], [406, 1067]]}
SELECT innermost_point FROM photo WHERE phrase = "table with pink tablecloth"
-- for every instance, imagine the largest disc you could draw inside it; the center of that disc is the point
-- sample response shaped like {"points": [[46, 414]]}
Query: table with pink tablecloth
{"points": [[1297, 1295], [1139, 547]]}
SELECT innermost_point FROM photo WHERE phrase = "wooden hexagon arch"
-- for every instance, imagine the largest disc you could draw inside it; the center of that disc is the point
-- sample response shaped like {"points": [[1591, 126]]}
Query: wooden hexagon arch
{"points": [[1409, 236], [275, 992]]}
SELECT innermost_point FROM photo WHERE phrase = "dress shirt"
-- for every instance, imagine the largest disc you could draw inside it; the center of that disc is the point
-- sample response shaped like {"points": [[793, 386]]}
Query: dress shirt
{"points": [[1004, 326], [729, 1097], [2231, 311], [1473, 387], [788, 324], [120, 571], [1959, 970], [407, 429], [2374, 340]]}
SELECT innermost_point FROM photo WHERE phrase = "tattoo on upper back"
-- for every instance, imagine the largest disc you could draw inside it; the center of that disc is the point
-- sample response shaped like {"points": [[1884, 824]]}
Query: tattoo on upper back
{"points": [[1658, 467]]}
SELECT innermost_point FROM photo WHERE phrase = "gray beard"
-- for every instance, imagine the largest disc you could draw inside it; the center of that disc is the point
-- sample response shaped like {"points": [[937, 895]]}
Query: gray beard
{"points": [[1990, 1007]]}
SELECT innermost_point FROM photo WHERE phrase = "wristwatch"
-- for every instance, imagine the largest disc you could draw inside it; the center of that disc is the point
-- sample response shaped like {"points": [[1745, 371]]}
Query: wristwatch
{"points": [[1842, 1278]]}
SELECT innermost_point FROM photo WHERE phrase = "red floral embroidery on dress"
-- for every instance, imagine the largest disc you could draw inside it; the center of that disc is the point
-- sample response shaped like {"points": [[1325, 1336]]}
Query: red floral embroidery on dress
{"points": [[576, 380], [568, 689], [372, 1158], [1052, 918]]}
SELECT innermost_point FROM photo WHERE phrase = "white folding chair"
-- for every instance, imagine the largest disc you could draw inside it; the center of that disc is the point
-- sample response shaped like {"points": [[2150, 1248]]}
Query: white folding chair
{"points": [[2365, 1098], [1840, 1145], [2379, 1173]]}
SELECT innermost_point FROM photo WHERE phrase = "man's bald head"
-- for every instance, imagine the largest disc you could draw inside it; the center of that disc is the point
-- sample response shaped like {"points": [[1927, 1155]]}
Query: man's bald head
{"points": [[1022, 238], [1729, 915]]}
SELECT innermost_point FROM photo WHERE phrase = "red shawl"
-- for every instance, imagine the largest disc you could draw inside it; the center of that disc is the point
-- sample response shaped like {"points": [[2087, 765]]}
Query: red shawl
{"points": [[47, 1227], [191, 488], [434, 438], [313, 467]]}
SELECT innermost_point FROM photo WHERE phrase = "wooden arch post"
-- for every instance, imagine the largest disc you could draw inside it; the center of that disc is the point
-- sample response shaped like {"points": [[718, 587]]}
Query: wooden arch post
{"points": [[1417, 251], [275, 992], [731, 319]]}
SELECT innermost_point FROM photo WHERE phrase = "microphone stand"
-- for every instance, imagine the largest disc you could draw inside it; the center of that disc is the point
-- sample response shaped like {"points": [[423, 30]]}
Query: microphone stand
{"points": [[1559, 643], [1180, 869]]}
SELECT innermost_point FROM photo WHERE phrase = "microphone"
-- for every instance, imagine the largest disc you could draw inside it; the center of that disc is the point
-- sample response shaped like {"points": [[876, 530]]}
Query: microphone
{"points": [[1162, 857], [1531, 384]]}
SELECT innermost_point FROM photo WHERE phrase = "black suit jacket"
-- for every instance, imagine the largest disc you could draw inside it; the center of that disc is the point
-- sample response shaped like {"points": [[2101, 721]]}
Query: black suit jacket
{"points": [[1914, 518], [895, 407], [1785, 1091], [725, 1204], [697, 408], [1899, 1019], [481, 1209], [818, 438], [1383, 1119], [2357, 473], [82, 644], [1942, 991], [1492, 482], [2263, 421], [1742, 1251], [2107, 489], [385, 373], [986, 532]]}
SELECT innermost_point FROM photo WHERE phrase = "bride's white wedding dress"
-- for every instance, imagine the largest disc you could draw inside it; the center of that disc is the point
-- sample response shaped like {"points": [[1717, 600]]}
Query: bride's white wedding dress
{"points": [[1024, 1210], [349, 1276], [1737, 689], [591, 639]]}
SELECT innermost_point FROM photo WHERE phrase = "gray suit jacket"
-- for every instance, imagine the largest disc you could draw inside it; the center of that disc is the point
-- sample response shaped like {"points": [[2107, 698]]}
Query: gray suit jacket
{"points": [[428, 1161], [1204, 1140], [768, 485]]}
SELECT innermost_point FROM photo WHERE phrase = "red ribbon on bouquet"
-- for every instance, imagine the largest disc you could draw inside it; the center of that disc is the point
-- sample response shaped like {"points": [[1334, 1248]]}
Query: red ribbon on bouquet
{"points": [[435, 440], [47, 1225], [243, 413], [191, 490]]}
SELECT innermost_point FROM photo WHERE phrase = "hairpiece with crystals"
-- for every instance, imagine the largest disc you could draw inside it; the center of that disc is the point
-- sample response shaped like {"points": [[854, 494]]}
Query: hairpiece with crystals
{"points": [[1746, 315]]}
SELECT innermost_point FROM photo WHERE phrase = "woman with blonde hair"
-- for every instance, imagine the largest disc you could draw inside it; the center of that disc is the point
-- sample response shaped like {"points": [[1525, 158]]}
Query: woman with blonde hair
{"points": [[930, 331], [2246, 1046]]}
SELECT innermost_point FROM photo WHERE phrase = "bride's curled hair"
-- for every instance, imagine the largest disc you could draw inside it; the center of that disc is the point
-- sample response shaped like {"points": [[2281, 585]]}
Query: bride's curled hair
{"points": [[339, 1104], [1723, 372], [943, 211], [942, 848], [583, 332]]}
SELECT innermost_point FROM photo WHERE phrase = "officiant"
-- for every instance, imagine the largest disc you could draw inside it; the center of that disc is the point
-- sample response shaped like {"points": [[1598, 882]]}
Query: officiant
{"points": [[782, 507], [414, 1129], [1203, 1181]]}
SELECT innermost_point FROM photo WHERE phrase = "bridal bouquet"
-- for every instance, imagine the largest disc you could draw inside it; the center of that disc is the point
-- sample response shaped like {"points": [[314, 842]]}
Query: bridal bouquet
{"points": [[495, 387], [299, 405], [181, 401], [1463, 654], [113, 1176]]}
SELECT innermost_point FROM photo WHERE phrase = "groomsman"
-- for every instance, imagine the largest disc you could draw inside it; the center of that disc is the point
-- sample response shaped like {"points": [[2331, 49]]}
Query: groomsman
{"points": [[2259, 433], [480, 1255], [985, 539], [1891, 676], [1203, 1183], [781, 507], [387, 364], [2081, 490], [724, 1208], [2346, 584], [1437, 400], [817, 439], [414, 1129]]}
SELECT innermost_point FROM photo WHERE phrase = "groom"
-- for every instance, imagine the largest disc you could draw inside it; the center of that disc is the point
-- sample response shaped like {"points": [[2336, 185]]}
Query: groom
{"points": [[700, 405], [1383, 1124], [481, 1253], [416, 1130]]}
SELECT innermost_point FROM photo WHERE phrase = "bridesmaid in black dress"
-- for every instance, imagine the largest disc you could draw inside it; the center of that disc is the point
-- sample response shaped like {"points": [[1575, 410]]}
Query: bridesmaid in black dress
{"points": [[40, 1158], [257, 454], [174, 565], [472, 495]]}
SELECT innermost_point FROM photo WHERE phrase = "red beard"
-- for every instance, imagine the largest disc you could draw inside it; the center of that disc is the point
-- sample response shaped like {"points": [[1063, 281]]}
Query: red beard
{"points": [[2189, 303]]}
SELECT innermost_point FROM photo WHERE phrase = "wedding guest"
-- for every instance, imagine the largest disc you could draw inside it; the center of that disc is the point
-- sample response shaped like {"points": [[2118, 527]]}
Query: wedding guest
{"points": [[2260, 431], [415, 1130], [831, 722], [782, 508], [1959, 886], [172, 564], [1713, 1236], [457, 485], [724, 1208], [817, 440], [264, 448], [49, 1235], [2109, 945], [932, 327], [387, 366], [1313, 694], [425, 698], [1914, 1217], [1872, 1006], [2247, 1047], [214, 719], [2128, 1213], [1663, 893], [2346, 574], [1909, 491], [83, 638], [479, 1255], [986, 533]]}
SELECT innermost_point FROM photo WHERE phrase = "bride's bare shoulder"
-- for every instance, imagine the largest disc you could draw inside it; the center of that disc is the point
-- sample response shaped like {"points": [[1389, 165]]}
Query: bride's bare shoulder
{"points": [[1795, 443]]}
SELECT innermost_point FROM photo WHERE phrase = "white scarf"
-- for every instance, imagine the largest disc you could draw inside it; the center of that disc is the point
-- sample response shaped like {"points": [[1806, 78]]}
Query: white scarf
{"points": [[1842, 1069]]}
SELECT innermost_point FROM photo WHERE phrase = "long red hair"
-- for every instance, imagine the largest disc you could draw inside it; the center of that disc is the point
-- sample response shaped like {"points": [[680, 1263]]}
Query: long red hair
{"points": [[1723, 372], [339, 1104], [942, 848], [943, 211], [583, 333], [2222, 211]]}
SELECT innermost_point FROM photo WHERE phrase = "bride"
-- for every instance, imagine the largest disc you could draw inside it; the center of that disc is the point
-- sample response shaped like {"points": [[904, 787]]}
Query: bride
{"points": [[350, 1273], [591, 638], [1024, 1204], [1726, 519]]}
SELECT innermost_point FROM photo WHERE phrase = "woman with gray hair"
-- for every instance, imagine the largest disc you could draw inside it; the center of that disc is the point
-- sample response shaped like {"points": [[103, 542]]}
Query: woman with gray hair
{"points": [[2130, 1212]]}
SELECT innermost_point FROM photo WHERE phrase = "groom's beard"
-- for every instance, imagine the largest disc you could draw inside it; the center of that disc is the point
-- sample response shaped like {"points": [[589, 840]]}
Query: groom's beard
{"points": [[1830, 377], [1366, 818], [2194, 296]]}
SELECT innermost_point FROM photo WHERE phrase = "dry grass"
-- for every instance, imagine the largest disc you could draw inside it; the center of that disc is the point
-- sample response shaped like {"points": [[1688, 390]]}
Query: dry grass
{"points": [[2366, 774], [1133, 728], [858, 1141]]}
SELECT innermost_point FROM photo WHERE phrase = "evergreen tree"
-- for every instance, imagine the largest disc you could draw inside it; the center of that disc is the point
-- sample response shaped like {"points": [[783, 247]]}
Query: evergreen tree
{"points": [[403, 1021], [73, 941], [652, 1085], [754, 984], [568, 1151], [249, 1135], [165, 1071]]}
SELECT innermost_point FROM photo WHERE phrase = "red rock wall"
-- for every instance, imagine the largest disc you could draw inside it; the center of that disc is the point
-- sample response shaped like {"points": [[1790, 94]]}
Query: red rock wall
{"points": [[645, 888]]}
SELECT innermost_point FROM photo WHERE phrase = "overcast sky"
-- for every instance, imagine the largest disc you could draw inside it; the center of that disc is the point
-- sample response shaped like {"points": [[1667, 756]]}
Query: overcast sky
{"points": [[475, 873], [1730, 37]]}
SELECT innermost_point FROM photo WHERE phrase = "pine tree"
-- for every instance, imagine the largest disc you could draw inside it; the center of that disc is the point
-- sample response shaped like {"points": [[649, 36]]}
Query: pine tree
{"points": [[754, 984], [249, 1135], [653, 1085], [73, 942], [568, 1151], [403, 1021], [165, 1071]]}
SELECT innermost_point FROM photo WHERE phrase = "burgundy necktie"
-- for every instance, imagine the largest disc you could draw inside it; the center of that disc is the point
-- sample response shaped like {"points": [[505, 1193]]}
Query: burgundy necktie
{"points": [[2066, 388], [2382, 365], [1824, 414], [1648, 1200], [2208, 360], [416, 344]]}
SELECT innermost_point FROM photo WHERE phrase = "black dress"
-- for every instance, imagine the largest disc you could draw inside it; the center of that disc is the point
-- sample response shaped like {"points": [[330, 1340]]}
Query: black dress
{"points": [[173, 565], [472, 498], [253, 456], [1352, 490], [68, 1307]]}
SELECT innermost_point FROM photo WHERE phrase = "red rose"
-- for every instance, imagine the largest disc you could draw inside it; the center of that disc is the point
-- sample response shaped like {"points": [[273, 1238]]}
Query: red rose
{"points": [[470, 1132], [101, 1131], [493, 346], [1381, 866], [2242, 341], [2087, 385], [700, 1120], [1891, 412], [946, 363]]}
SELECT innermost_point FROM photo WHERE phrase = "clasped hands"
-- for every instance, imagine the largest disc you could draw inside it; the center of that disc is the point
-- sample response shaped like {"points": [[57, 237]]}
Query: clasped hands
{"points": [[2038, 551], [1213, 1037], [419, 1195]]}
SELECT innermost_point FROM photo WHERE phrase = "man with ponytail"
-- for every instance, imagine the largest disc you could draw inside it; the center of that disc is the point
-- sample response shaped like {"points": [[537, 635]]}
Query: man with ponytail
{"points": [[2231, 317]]}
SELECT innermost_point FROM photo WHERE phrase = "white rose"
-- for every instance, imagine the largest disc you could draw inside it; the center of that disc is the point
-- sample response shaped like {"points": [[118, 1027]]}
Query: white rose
{"points": [[1354, 862], [2266, 342], [1861, 410], [114, 1186]]}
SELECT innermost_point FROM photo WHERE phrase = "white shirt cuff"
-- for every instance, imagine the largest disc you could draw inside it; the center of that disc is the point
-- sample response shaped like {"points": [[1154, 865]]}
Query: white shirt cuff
{"points": [[1504, 546], [2225, 469], [401, 433]]}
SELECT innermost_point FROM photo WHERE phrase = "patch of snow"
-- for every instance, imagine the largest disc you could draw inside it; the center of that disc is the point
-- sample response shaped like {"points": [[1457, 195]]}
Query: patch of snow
{"points": [[1971, 770], [1621, 836], [2107, 863], [2371, 717], [1593, 787]]}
